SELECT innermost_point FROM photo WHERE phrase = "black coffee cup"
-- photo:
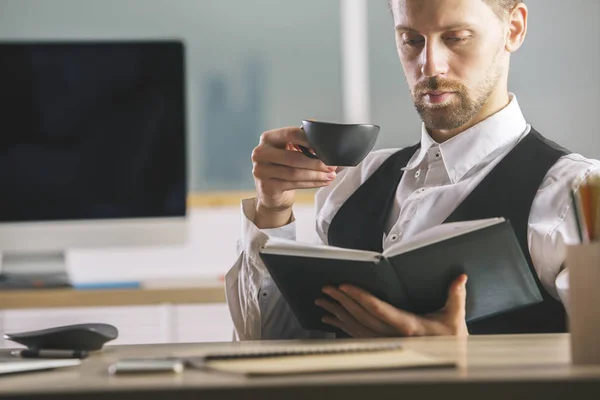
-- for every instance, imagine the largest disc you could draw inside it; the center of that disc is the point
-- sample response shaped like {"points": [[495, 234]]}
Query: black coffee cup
{"points": [[341, 145]]}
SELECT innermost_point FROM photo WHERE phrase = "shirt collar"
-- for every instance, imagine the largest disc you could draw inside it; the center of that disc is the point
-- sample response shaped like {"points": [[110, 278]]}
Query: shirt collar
{"points": [[469, 148]]}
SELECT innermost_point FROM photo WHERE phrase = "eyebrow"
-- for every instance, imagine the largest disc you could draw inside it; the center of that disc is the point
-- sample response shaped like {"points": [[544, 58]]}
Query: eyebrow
{"points": [[451, 27]]}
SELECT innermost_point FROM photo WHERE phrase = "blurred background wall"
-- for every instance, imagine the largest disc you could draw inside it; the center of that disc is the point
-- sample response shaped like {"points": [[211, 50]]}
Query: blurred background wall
{"points": [[263, 64]]}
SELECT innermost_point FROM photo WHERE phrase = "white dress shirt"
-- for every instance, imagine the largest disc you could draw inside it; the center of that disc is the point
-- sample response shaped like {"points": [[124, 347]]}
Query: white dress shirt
{"points": [[435, 181]]}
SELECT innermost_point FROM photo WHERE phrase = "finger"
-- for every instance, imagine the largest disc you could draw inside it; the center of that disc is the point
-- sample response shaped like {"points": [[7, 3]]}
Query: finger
{"points": [[291, 147], [277, 185], [281, 137], [358, 312], [291, 174], [273, 155], [297, 148], [404, 323], [457, 298], [334, 321], [310, 153], [355, 328]]}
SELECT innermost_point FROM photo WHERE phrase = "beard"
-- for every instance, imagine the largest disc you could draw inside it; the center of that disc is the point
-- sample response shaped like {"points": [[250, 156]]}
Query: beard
{"points": [[461, 107]]}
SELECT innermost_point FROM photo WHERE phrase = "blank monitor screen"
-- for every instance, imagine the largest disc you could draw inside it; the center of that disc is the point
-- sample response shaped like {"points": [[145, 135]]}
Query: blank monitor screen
{"points": [[92, 130]]}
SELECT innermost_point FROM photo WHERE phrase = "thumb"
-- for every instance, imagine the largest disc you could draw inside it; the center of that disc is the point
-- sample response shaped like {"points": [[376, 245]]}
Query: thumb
{"points": [[457, 297]]}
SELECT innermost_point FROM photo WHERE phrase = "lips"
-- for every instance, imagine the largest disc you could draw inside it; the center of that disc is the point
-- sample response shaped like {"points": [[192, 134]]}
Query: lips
{"points": [[434, 92], [437, 96]]}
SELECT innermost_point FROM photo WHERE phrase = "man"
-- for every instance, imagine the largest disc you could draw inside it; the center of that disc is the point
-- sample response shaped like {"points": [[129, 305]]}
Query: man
{"points": [[477, 158]]}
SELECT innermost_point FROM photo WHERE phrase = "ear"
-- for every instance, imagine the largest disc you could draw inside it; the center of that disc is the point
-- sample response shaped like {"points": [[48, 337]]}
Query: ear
{"points": [[517, 27]]}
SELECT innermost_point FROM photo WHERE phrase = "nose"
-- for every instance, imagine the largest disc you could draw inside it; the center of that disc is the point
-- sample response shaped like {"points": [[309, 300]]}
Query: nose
{"points": [[434, 60]]}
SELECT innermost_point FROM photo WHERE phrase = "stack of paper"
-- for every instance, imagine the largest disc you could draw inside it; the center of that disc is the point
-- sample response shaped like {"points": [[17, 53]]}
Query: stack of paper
{"points": [[306, 359]]}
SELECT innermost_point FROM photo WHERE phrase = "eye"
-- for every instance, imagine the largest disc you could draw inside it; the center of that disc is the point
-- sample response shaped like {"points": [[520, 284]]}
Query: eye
{"points": [[412, 40], [457, 39]]}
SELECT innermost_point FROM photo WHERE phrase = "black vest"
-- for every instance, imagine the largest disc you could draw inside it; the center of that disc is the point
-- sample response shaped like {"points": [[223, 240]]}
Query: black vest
{"points": [[507, 191]]}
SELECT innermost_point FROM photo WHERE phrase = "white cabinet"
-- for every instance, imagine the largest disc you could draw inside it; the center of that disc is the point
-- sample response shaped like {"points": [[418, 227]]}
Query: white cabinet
{"points": [[202, 323]]}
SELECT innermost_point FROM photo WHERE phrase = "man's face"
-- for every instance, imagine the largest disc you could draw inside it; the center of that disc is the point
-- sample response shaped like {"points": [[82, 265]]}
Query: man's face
{"points": [[453, 56]]}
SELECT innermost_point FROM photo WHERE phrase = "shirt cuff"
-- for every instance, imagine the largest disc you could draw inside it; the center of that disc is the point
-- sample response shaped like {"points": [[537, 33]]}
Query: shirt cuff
{"points": [[253, 238]]}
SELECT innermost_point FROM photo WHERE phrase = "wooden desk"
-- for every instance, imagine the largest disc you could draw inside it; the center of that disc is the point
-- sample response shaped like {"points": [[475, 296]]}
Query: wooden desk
{"points": [[508, 367]]}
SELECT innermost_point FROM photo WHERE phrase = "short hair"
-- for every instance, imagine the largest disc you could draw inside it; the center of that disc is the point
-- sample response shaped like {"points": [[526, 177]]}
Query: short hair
{"points": [[500, 7]]}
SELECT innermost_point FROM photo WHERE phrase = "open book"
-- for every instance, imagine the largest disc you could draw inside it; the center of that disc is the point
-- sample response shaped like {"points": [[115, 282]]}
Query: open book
{"points": [[413, 275]]}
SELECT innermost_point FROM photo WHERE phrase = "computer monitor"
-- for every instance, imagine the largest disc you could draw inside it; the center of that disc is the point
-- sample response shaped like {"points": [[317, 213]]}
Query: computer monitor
{"points": [[92, 150]]}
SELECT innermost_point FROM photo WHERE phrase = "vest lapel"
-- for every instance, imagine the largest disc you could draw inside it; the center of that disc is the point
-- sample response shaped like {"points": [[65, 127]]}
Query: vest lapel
{"points": [[508, 191]]}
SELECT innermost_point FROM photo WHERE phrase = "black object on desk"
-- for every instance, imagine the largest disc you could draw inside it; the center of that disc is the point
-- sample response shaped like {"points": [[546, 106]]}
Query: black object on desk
{"points": [[80, 337], [62, 354]]}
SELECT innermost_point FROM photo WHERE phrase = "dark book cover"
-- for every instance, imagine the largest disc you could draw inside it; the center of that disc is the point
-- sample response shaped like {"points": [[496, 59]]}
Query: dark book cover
{"points": [[415, 280]]}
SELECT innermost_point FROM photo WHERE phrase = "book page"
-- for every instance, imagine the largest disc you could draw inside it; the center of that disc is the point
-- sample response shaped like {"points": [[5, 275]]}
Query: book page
{"points": [[288, 247], [302, 364], [439, 233]]}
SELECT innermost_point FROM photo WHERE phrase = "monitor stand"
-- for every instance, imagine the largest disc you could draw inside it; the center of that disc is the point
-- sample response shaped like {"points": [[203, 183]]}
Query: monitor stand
{"points": [[34, 271]]}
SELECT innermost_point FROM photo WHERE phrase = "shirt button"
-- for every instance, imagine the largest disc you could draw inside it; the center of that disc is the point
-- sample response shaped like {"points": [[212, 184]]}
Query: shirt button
{"points": [[438, 155], [417, 174], [393, 237]]}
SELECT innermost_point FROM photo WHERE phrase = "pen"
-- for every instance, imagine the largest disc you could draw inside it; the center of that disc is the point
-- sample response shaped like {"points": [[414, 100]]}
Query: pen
{"points": [[577, 216], [49, 353]]}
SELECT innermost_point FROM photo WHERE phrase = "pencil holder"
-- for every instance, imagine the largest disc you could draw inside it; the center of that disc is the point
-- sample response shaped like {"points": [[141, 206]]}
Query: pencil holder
{"points": [[583, 263]]}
